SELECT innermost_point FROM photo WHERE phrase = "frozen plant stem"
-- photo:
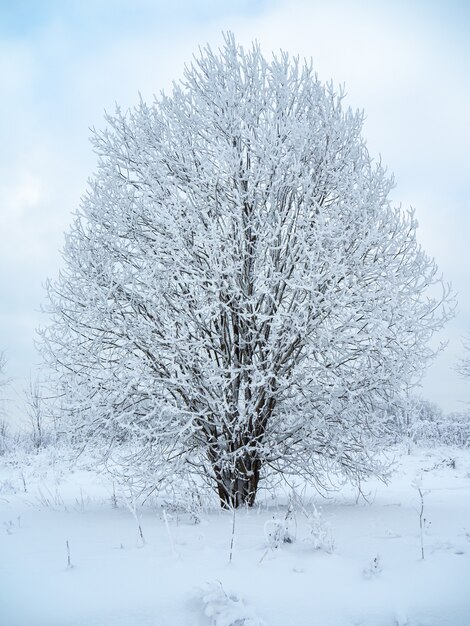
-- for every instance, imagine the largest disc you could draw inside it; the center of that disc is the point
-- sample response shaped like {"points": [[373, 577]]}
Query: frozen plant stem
{"points": [[113, 497], [135, 515], [131, 503], [233, 535], [140, 532], [422, 521], [170, 539], [69, 562]]}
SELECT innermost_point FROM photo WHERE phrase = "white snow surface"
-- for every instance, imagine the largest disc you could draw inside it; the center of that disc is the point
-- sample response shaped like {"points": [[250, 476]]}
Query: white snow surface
{"points": [[374, 576]]}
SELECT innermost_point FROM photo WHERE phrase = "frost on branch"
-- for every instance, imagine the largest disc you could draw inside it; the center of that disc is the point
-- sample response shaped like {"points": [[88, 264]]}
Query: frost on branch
{"points": [[238, 295]]}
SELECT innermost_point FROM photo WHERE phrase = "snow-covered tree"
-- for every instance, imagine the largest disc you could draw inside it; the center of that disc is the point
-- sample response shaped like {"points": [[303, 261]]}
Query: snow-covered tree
{"points": [[416, 420], [239, 295], [2, 370], [464, 364], [3, 384]]}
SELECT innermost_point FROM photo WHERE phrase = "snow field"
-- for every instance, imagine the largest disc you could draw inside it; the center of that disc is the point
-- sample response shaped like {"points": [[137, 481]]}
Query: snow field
{"points": [[182, 575]]}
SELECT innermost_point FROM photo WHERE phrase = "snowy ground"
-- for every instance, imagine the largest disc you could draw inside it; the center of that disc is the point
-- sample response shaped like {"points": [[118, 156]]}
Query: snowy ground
{"points": [[182, 575]]}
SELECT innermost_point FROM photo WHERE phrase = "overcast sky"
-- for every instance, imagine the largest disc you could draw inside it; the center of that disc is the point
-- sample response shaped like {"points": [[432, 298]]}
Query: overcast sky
{"points": [[63, 63]]}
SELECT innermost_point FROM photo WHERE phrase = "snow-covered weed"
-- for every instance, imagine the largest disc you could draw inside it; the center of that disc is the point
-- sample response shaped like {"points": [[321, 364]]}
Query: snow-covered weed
{"points": [[4, 437], [69, 560], [113, 498], [276, 530], [7, 487], [223, 609], [130, 494], [423, 522], [8, 527], [49, 499], [82, 502], [188, 504], [374, 568], [320, 534]]}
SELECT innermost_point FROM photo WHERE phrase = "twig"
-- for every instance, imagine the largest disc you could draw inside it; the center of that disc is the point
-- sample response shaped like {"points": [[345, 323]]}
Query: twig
{"points": [[233, 536], [69, 562], [422, 521], [170, 538]]}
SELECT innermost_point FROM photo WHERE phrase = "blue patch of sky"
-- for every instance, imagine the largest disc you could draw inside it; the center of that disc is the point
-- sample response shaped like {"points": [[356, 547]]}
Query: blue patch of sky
{"points": [[18, 17], [23, 18]]}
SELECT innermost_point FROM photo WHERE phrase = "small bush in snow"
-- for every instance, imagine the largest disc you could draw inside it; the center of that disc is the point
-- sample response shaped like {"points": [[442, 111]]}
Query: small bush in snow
{"points": [[446, 462], [188, 502], [276, 530], [7, 487], [320, 532]]}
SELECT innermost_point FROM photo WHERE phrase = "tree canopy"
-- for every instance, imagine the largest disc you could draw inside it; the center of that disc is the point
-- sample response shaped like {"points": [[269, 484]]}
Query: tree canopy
{"points": [[239, 296]]}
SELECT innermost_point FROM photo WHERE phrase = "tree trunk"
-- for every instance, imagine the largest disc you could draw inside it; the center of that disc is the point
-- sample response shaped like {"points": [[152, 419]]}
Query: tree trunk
{"points": [[238, 486]]}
